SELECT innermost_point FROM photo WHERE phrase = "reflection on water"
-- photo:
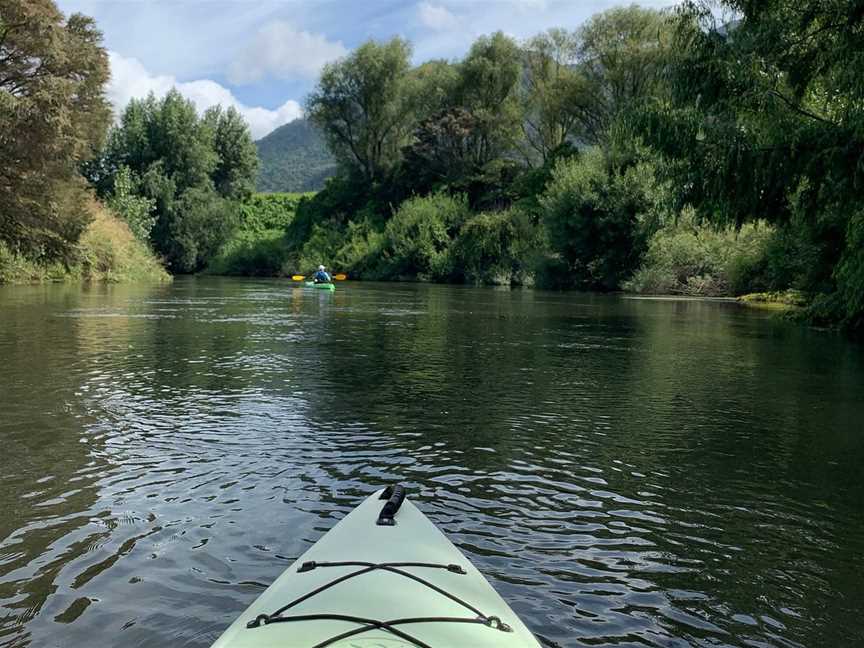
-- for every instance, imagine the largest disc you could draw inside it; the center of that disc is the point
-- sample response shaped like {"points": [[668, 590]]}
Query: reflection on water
{"points": [[626, 472]]}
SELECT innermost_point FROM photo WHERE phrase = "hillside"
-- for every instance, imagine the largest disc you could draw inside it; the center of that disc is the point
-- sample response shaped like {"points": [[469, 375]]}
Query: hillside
{"points": [[294, 158]]}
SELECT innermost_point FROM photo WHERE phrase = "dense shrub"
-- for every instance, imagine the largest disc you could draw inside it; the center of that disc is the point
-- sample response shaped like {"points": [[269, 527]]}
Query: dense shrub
{"points": [[594, 210], [495, 248], [258, 246], [418, 236], [251, 254], [201, 221], [849, 308], [689, 258], [344, 196], [270, 211]]}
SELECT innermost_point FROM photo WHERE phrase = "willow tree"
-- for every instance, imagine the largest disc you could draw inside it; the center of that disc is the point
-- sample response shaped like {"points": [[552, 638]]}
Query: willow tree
{"points": [[363, 105], [554, 92], [767, 121], [622, 56], [488, 91], [54, 116]]}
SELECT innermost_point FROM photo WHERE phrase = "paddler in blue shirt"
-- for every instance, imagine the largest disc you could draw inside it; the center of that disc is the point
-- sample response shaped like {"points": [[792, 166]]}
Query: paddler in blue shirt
{"points": [[321, 276]]}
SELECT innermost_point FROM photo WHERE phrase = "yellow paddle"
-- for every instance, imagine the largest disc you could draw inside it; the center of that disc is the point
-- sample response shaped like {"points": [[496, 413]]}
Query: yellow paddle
{"points": [[338, 277]]}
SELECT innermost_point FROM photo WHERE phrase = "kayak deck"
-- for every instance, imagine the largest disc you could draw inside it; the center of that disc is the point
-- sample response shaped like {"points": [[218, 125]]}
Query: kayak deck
{"points": [[364, 585], [320, 286]]}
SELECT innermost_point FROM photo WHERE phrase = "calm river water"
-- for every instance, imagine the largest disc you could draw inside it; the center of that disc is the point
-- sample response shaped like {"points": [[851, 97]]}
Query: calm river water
{"points": [[626, 472]]}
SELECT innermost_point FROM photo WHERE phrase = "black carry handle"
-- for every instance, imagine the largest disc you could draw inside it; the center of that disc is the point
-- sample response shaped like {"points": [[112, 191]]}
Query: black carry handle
{"points": [[394, 495]]}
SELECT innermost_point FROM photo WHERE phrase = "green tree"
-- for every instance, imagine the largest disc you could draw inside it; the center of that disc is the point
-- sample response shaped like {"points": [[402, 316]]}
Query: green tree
{"points": [[418, 236], [622, 57], [200, 222], [496, 247], [135, 209], [488, 90], [446, 148], [54, 116], [765, 121], [195, 170], [364, 104], [237, 164], [597, 210], [435, 85], [553, 92]]}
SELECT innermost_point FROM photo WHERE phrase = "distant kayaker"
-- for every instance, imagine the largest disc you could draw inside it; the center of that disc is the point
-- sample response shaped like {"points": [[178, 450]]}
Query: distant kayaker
{"points": [[321, 276]]}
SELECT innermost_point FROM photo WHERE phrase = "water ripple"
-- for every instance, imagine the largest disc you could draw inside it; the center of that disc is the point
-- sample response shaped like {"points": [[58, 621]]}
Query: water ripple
{"points": [[627, 473]]}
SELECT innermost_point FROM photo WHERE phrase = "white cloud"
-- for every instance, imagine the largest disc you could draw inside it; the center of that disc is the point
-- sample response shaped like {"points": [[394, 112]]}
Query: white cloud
{"points": [[130, 79], [280, 50], [436, 17]]}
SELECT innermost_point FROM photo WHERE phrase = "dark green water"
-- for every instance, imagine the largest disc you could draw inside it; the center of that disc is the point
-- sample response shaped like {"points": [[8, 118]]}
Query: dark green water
{"points": [[626, 472]]}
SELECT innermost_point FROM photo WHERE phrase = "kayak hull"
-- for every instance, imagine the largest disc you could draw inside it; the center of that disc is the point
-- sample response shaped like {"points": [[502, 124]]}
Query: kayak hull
{"points": [[320, 286], [379, 594]]}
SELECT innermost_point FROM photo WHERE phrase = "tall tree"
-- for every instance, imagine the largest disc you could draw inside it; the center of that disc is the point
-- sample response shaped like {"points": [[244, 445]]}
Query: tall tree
{"points": [[237, 163], [363, 105], [489, 76], [53, 115], [766, 121], [446, 147], [435, 85], [193, 169], [592, 208], [554, 92], [622, 56]]}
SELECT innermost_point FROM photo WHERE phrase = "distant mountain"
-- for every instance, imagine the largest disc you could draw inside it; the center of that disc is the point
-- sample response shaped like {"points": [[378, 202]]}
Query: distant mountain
{"points": [[294, 158]]}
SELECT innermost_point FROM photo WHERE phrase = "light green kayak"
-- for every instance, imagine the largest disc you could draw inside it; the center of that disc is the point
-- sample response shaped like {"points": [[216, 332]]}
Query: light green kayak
{"points": [[321, 286], [383, 577]]}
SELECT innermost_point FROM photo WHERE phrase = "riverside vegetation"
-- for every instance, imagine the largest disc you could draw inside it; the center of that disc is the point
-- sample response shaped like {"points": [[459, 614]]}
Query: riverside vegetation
{"points": [[691, 152]]}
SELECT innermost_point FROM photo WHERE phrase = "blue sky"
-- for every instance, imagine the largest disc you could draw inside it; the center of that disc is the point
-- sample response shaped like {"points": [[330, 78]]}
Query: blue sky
{"points": [[263, 56]]}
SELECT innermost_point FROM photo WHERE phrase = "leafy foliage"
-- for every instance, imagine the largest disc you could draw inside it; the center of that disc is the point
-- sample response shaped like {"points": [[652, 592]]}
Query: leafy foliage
{"points": [[54, 116], [418, 237], [195, 170], [691, 258], [488, 81], [593, 209], [270, 211], [236, 159], [200, 223], [553, 92], [106, 251], [136, 210], [765, 120], [496, 248], [446, 149], [623, 57], [362, 105], [257, 247]]}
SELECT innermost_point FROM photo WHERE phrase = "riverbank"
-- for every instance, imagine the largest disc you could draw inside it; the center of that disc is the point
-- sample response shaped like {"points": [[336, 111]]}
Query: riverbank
{"points": [[107, 251]]}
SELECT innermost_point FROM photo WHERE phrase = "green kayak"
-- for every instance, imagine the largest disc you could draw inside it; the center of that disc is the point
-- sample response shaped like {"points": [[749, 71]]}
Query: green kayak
{"points": [[321, 286], [383, 577]]}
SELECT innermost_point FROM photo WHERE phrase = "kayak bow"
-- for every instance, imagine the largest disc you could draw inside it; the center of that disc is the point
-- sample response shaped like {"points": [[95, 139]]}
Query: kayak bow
{"points": [[383, 577]]}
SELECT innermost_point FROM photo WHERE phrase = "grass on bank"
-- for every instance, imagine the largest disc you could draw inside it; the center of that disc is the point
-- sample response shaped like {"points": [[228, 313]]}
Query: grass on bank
{"points": [[107, 251], [781, 300]]}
